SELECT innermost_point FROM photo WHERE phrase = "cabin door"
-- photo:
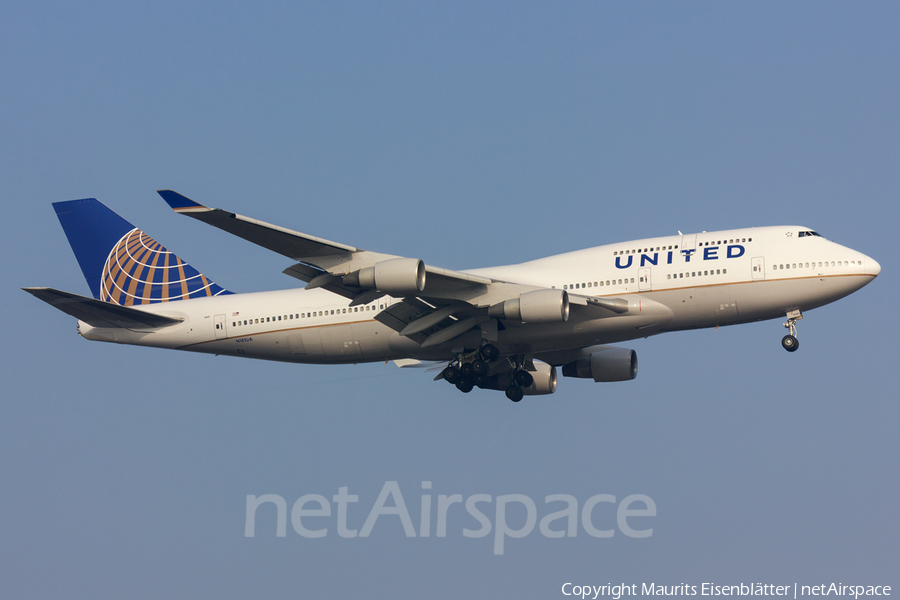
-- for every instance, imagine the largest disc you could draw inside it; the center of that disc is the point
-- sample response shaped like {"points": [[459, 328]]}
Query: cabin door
{"points": [[758, 266], [644, 279], [220, 327]]}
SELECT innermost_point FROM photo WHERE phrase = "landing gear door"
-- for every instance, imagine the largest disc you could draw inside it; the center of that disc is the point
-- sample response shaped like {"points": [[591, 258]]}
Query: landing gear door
{"points": [[220, 327], [644, 279], [758, 267]]}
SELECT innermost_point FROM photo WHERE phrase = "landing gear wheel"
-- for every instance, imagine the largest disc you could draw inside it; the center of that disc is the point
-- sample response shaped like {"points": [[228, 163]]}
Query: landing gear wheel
{"points": [[451, 374], [465, 369], [514, 393], [479, 366], [480, 380], [489, 352], [790, 343], [523, 378], [465, 385]]}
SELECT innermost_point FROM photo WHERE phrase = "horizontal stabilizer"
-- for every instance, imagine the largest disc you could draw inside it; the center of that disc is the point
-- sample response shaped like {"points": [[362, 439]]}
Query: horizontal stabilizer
{"points": [[98, 313]]}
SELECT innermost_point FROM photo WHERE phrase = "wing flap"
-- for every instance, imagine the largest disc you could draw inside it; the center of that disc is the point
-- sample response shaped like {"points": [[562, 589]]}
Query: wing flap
{"points": [[98, 313]]}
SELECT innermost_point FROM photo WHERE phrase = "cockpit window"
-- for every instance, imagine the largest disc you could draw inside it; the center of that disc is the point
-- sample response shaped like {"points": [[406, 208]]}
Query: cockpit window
{"points": [[809, 233]]}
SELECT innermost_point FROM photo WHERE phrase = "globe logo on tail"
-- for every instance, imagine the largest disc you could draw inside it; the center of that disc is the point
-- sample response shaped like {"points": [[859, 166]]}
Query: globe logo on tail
{"points": [[139, 270]]}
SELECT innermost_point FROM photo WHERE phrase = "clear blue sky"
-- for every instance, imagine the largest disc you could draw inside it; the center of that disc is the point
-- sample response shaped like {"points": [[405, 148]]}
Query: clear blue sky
{"points": [[467, 134]]}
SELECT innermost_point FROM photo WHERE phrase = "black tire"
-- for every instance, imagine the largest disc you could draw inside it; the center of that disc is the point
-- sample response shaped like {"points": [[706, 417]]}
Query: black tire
{"points": [[479, 366], [790, 343], [514, 393], [451, 374], [465, 385], [489, 352], [480, 380], [465, 369], [523, 378]]}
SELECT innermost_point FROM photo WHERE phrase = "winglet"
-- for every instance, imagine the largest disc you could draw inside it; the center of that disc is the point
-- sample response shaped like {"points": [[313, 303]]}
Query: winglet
{"points": [[181, 203]]}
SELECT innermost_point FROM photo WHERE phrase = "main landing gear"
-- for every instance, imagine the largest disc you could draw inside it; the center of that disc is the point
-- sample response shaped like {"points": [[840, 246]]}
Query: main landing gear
{"points": [[790, 341], [471, 369], [520, 379]]}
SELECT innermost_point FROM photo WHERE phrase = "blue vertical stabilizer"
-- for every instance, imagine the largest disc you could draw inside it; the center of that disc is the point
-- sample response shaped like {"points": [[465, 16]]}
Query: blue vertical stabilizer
{"points": [[121, 263]]}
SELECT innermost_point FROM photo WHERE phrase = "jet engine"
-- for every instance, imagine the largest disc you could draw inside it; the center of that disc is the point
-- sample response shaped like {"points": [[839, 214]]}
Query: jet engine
{"points": [[539, 306], [544, 380], [607, 364], [402, 276]]}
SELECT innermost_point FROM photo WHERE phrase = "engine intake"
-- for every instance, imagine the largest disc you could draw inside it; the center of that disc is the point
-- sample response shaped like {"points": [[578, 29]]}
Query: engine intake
{"points": [[394, 276], [608, 364], [539, 306]]}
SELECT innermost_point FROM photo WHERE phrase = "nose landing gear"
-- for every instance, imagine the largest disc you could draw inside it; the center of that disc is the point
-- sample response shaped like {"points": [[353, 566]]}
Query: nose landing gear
{"points": [[790, 341]]}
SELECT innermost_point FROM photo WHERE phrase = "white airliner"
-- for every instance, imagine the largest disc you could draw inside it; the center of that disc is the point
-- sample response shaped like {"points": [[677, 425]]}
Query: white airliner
{"points": [[499, 328]]}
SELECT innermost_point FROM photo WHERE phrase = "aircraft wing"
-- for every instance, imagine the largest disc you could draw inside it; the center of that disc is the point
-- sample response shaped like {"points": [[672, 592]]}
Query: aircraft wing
{"points": [[293, 244], [98, 313], [320, 262], [438, 304]]}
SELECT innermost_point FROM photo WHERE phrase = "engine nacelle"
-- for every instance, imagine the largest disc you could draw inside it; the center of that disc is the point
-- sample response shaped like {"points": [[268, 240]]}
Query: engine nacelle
{"points": [[539, 306], [544, 380], [394, 276], [608, 364]]}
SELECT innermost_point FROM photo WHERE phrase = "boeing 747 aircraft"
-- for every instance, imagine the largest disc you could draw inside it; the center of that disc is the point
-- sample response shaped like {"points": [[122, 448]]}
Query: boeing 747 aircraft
{"points": [[500, 328]]}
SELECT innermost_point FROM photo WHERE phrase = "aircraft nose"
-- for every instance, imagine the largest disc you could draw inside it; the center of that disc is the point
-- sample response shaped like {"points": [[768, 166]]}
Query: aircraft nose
{"points": [[872, 267]]}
